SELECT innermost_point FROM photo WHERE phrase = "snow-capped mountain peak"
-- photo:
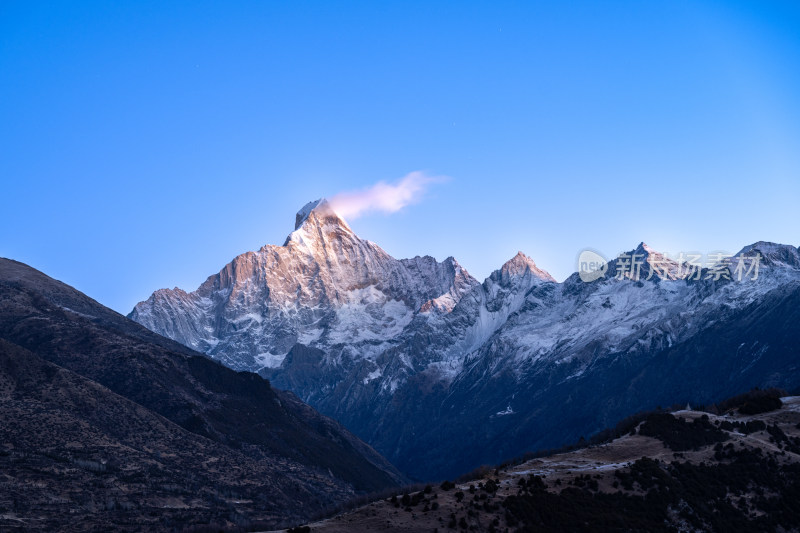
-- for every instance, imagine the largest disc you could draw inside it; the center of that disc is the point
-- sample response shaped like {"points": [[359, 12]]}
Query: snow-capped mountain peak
{"points": [[317, 221], [646, 263], [520, 265], [303, 213], [772, 253], [406, 351], [318, 212], [325, 286]]}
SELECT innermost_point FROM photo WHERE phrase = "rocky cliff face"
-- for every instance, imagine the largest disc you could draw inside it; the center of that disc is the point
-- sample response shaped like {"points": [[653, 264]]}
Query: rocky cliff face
{"points": [[325, 286], [442, 373]]}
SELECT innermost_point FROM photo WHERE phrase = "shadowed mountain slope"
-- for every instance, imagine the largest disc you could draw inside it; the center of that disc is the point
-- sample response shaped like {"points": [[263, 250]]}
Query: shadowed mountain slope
{"points": [[83, 383]]}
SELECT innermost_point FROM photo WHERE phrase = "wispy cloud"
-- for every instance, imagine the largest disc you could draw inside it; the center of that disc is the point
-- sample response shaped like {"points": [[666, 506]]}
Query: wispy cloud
{"points": [[384, 197]]}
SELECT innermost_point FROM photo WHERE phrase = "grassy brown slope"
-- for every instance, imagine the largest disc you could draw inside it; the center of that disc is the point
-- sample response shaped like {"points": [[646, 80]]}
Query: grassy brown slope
{"points": [[733, 473]]}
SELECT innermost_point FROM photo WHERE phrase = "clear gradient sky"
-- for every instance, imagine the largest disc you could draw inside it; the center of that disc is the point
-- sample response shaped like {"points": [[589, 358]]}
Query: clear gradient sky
{"points": [[145, 144]]}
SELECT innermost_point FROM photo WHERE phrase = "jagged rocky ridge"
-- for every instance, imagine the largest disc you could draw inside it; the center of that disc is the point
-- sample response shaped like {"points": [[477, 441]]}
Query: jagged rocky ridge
{"points": [[105, 425], [441, 373]]}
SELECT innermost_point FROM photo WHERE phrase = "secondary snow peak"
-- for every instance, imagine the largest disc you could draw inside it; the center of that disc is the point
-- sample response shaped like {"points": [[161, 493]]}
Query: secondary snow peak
{"points": [[773, 253], [521, 264]]}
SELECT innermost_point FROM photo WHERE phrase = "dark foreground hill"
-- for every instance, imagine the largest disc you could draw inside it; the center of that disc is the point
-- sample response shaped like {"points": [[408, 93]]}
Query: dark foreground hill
{"points": [[679, 471], [106, 425]]}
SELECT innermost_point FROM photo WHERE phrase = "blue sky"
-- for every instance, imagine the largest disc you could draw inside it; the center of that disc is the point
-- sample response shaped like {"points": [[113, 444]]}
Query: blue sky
{"points": [[145, 144]]}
